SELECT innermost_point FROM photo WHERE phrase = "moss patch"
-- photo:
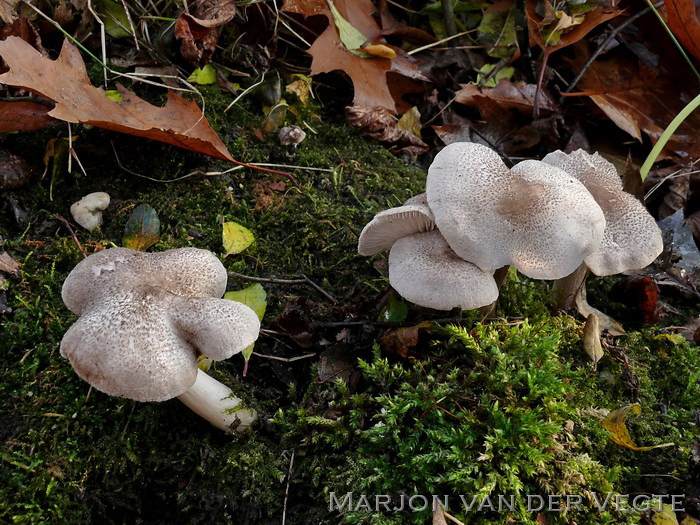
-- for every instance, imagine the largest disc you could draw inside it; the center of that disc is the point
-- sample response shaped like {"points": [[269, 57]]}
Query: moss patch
{"points": [[507, 407]]}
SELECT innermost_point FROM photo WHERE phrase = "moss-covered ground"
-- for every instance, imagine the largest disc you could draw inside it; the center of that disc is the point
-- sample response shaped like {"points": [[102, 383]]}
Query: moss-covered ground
{"points": [[509, 407]]}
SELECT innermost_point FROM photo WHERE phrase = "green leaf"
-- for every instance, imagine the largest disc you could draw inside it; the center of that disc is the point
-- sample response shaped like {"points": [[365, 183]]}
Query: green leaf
{"points": [[114, 95], [395, 310], [142, 229], [497, 29], [236, 238], [203, 76], [351, 38], [504, 72], [114, 18], [254, 297]]}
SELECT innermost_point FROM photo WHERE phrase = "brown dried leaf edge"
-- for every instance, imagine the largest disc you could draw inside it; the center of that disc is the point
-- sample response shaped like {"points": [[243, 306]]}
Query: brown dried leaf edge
{"points": [[65, 81]]}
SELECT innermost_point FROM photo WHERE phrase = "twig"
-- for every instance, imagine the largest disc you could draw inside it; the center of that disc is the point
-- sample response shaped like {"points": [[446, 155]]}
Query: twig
{"points": [[452, 518], [285, 359], [103, 41], [273, 280], [448, 16], [603, 46], [286, 490], [75, 237], [439, 42]]}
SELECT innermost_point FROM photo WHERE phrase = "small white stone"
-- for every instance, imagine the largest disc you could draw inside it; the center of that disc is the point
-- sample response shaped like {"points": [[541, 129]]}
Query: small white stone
{"points": [[291, 136], [88, 211]]}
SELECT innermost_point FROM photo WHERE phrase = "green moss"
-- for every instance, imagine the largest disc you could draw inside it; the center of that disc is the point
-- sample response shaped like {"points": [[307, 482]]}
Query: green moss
{"points": [[509, 406]]}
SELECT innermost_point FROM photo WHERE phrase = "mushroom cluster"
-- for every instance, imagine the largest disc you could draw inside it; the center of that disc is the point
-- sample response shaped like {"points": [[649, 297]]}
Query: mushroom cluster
{"points": [[545, 218], [145, 318]]}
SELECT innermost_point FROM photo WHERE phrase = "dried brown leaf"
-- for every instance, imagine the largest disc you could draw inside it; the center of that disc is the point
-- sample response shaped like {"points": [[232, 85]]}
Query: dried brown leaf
{"points": [[8, 264], [200, 33], [378, 123], [509, 95], [65, 81], [683, 21], [24, 115], [574, 33], [371, 77], [639, 100]]}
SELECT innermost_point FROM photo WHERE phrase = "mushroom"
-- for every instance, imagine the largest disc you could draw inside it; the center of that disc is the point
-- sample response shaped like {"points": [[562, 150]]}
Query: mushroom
{"points": [[631, 239], [422, 266], [145, 318], [390, 225], [534, 216], [88, 211], [426, 271]]}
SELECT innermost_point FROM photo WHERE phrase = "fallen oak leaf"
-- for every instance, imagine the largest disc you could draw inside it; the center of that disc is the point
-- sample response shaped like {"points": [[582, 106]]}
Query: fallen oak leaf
{"points": [[683, 23], [65, 81], [370, 76]]}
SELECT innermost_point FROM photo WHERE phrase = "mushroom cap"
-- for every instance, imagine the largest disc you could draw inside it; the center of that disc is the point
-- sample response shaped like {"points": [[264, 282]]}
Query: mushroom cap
{"points": [[390, 225], [631, 239], [426, 271], [188, 272], [534, 216], [146, 318]]}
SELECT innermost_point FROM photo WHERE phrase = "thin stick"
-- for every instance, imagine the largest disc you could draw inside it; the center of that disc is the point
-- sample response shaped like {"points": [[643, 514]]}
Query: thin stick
{"points": [[452, 518], [284, 359], [273, 280], [286, 490], [103, 40], [439, 42], [603, 46], [75, 237]]}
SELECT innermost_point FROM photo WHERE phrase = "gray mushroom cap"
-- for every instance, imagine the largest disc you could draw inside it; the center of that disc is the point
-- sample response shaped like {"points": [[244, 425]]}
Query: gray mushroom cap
{"points": [[390, 225], [146, 317], [534, 216], [631, 239], [427, 272]]}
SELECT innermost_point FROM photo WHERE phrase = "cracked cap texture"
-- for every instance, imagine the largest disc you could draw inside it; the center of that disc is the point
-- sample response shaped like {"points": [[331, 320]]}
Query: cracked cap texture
{"points": [[146, 317], [534, 216]]}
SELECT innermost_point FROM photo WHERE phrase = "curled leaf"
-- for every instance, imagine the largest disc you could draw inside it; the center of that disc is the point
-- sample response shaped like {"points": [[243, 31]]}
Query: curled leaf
{"points": [[591, 339], [615, 424], [142, 230]]}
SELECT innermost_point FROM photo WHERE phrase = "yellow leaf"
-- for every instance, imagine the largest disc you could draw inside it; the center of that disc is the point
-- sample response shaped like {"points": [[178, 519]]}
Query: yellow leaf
{"points": [[665, 516], [378, 50], [236, 238], [114, 95], [410, 121], [301, 87], [615, 424], [204, 363]]}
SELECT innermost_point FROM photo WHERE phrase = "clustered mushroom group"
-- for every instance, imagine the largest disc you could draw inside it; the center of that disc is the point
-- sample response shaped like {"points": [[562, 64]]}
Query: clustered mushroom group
{"points": [[146, 318], [546, 218]]}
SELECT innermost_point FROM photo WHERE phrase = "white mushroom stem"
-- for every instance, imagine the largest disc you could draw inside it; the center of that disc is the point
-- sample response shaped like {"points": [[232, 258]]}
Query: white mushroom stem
{"points": [[216, 403], [565, 290]]}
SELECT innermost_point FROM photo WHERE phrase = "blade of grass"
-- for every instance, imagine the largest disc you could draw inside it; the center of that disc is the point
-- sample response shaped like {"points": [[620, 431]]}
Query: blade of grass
{"points": [[666, 135], [687, 110]]}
